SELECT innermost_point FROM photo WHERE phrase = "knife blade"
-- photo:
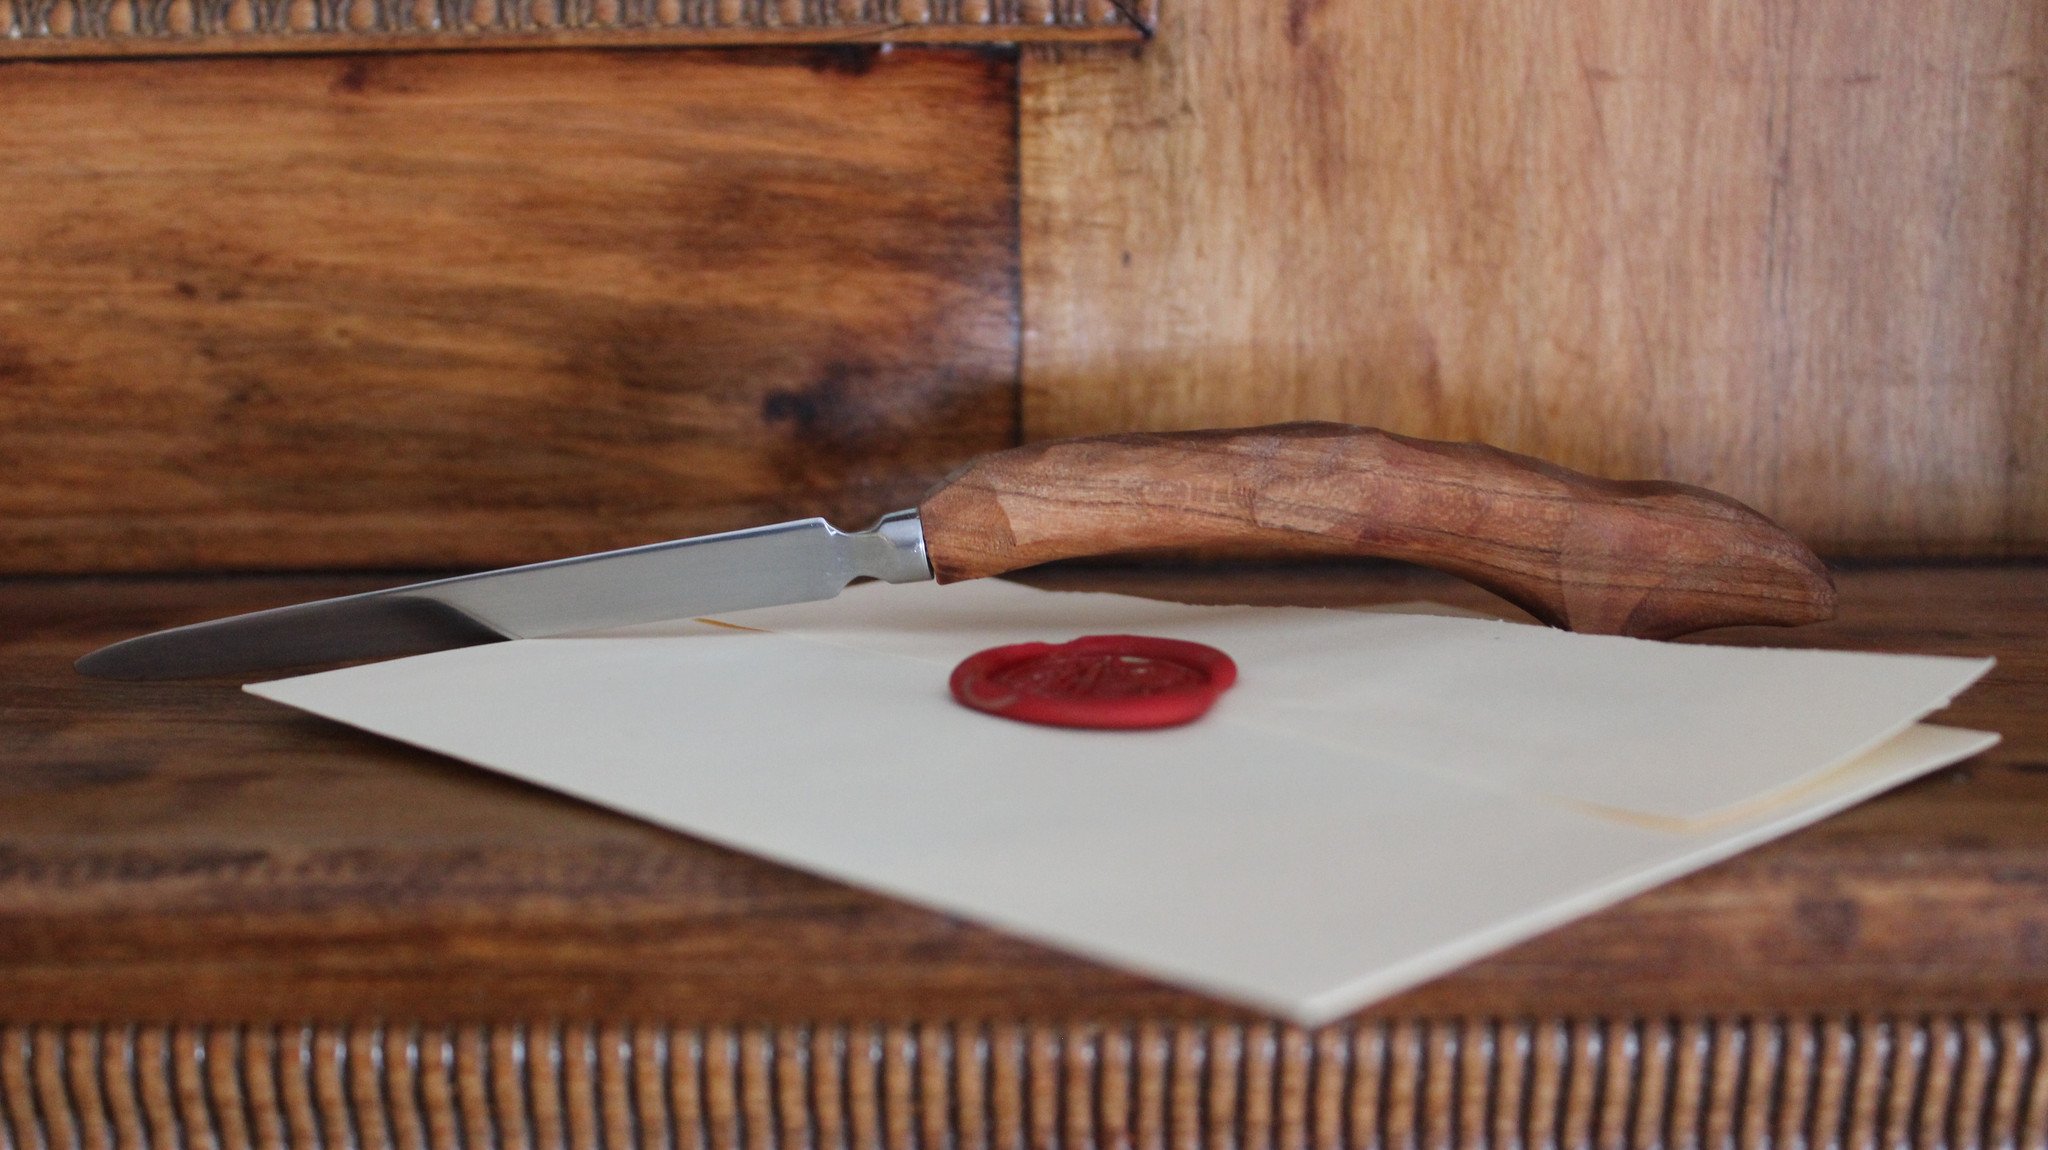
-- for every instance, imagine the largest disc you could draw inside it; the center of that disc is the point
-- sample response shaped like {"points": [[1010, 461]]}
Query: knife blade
{"points": [[791, 562], [1645, 558]]}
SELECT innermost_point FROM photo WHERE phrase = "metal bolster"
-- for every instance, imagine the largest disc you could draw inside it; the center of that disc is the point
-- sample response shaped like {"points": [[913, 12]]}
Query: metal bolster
{"points": [[892, 550]]}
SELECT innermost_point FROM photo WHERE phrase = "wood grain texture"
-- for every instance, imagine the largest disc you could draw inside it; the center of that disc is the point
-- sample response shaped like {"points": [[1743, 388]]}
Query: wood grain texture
{"points": [[470, 309], [184, 852], [1790, 250], [1650, 560], [1964, 1081], [81, 29]]}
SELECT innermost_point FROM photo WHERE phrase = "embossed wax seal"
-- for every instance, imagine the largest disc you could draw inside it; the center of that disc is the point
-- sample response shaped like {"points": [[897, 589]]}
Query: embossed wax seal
{"points": [[1106, 682]]}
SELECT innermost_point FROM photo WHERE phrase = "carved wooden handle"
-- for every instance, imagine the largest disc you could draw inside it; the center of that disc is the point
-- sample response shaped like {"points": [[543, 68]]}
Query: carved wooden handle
{"points": [[1648, 559]]}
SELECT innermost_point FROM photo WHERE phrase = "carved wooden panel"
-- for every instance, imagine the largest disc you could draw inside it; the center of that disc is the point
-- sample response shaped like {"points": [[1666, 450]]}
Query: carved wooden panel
{"points": [[85, 28], [1973, 1081], [463, 309]]}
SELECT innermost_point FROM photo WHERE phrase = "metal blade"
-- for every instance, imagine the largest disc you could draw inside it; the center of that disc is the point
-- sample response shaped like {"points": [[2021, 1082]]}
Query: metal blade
{"points": [[760, 567]]}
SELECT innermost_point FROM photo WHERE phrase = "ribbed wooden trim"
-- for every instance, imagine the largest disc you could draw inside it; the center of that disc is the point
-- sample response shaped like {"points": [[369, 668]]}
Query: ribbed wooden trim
{"points": [[1923, 1082], [207, 27]]}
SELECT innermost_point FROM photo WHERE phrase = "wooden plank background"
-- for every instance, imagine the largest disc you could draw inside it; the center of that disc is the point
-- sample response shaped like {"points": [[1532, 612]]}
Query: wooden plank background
{"points": [[1791, 249], [465, 309], [472, 309]]}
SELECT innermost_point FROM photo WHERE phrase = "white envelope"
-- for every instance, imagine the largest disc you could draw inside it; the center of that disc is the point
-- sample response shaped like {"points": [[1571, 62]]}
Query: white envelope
{"points": [[1363, 812], [1677, 731]]}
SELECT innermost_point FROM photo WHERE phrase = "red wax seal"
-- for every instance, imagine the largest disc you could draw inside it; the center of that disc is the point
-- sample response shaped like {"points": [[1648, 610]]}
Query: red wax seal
{"points": [[1111, 682]]}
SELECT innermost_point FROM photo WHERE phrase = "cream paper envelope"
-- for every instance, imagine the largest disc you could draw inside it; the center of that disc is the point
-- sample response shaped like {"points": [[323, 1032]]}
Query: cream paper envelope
{"points": [[1284, 871], [1673, 731]]}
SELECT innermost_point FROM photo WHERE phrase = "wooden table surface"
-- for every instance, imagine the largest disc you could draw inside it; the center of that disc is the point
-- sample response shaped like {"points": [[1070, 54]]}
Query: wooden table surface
{"points": [[185, 852]]}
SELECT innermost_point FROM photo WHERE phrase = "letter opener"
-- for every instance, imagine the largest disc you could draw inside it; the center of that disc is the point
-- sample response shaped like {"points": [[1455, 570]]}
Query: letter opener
{"points": [[1649, 559]]}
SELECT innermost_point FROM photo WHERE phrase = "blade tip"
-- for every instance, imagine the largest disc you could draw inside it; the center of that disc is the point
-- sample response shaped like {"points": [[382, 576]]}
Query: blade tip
{"points": [[94, 668], [109, 662]]}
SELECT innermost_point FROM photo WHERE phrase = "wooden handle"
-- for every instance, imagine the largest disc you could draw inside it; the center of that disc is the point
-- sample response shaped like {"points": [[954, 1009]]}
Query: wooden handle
{"points": [[1647, 559]]}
